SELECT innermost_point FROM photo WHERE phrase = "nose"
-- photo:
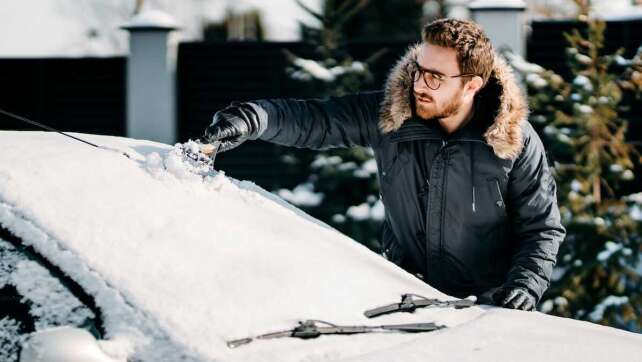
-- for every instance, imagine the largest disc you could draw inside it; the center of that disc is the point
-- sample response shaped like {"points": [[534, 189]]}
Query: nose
{"points": [[422, 90], [419, 86]]}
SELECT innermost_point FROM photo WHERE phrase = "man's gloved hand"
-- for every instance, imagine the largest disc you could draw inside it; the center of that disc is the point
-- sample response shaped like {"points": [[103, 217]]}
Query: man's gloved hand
{"points": [[234, 125], [512, 298], [518, 298]]}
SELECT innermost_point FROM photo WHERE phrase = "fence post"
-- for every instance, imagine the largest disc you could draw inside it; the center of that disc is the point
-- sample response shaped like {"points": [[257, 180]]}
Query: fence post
{"points": [[151, 101], [503, 22]]}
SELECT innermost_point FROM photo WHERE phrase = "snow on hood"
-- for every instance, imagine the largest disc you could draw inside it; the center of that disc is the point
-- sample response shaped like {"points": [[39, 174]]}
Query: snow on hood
{"points": [[180, 258]]}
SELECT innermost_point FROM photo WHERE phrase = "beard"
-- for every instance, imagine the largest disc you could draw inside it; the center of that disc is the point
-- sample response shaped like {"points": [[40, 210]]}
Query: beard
{"points": [[432, 111]]}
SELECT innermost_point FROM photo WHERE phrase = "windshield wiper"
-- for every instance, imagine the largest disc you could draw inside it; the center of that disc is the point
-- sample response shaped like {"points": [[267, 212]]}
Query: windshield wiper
{"points": [[310, 329], [408, 304]]}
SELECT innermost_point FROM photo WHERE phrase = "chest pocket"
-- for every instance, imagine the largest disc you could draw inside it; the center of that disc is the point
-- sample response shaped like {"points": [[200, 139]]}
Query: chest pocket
{"points": [[490, 203], [493, 199]]}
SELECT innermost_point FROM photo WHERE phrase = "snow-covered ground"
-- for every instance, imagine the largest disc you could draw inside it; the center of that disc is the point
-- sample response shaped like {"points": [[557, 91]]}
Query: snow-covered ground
{"points": [[181, 261]]}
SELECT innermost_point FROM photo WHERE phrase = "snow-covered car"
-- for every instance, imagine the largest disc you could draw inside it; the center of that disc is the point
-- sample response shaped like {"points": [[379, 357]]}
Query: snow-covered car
{"points": [[151, 257]]}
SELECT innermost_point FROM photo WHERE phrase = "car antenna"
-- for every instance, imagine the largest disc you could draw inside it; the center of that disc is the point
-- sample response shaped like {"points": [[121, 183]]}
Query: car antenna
{"points": [[45, 127]]}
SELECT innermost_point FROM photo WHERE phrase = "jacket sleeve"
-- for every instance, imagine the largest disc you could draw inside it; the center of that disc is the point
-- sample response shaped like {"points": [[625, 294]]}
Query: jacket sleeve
{"points": [[535, 216], [319, 124]]}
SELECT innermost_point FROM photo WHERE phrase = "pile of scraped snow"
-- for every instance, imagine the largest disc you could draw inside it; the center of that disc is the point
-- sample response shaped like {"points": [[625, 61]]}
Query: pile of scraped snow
{"points": [[186, 259]]}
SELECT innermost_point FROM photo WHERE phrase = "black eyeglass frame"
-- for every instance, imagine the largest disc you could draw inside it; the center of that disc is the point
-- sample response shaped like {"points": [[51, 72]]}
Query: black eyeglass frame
{"points": [[436, 77]]}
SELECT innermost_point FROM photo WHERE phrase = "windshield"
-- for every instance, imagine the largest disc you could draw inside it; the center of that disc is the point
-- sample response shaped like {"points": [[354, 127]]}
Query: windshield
{"points": [[34, 296]]}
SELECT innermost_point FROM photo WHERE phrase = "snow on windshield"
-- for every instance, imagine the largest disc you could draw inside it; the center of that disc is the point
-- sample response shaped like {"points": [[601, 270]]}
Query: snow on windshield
{"points": [[49, 303]]}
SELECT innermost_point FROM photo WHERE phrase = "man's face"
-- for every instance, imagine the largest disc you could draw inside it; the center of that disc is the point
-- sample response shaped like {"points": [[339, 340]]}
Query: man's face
{"points": [[447, 99]]}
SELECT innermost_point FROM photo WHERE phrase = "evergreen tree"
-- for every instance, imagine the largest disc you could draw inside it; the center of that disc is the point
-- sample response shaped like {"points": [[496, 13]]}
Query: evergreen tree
{"points": [[598, 276], [342, 187]]}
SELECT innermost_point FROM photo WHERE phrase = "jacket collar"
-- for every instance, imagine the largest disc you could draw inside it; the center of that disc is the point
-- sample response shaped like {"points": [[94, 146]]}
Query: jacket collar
{"points": [[416, 129], [500, 110]]}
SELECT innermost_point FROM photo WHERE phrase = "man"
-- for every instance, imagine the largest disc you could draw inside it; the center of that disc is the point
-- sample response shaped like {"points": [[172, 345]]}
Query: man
{"points": [[470, 201]]}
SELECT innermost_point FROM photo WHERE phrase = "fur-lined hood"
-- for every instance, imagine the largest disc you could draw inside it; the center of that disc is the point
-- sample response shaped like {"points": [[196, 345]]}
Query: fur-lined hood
{"points": [[500, 97]]}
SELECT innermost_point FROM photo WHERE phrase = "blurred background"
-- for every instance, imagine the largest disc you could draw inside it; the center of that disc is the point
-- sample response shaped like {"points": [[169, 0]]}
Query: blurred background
{"points": [[160, 69]]}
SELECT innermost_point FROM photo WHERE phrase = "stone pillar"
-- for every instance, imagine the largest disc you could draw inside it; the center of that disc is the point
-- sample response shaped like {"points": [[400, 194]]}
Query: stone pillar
{"points": [[503, 22], [151, 101]]}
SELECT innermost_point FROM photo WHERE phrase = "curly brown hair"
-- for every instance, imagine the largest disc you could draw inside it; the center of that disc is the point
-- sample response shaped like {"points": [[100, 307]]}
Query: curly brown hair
{"points": [[475, 52]]}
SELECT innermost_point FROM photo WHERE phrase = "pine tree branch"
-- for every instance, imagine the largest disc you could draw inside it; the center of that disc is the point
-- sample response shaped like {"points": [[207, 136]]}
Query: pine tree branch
{"points": [[313, 13], [352, 12], [376, 56]]}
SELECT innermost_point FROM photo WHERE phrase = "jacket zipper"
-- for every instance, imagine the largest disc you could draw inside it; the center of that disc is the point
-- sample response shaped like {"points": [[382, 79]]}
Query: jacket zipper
{"points": [[444, 143], [443, 218], [438, 267], [500, 198], [444, 183]]}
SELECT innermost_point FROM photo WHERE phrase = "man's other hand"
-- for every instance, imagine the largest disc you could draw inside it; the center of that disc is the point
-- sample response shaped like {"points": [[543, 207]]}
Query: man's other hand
{"points": [[518, 298], [233, 125], [512, 298]]}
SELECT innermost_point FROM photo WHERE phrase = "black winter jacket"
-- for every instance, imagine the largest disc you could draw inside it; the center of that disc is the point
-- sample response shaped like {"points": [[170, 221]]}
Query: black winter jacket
{"points": [[466, 212]]}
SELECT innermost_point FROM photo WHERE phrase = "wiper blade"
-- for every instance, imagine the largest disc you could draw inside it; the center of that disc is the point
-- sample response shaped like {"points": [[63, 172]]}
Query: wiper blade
{"points": [[409, 304], [311, 329]]}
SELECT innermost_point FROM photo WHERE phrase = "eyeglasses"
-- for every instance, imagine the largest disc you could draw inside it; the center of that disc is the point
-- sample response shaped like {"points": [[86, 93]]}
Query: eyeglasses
{"points": [[431, 79]]}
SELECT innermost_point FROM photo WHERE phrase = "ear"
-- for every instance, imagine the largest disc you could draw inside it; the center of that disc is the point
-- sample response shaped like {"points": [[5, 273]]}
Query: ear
{"points": [[473, 86]]}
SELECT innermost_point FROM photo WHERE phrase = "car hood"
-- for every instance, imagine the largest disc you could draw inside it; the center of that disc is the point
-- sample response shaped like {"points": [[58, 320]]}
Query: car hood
{"points": [[173, 255]]}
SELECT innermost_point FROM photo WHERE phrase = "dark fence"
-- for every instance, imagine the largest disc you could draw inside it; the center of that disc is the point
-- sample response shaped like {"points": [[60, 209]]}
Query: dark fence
{"points": [[72, 94]]}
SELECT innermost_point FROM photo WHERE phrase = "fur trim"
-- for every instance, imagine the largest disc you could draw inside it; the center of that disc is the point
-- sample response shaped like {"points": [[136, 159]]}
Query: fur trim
{"points": [[396, 107], [504, 134]]}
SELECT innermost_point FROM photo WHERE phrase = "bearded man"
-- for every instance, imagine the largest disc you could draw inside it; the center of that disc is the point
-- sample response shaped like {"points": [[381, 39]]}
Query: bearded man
{"points": [[470, 203]]}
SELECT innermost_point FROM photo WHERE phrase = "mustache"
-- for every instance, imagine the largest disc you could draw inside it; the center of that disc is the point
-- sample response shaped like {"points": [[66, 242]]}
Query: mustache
{"points": [[422, 95]]}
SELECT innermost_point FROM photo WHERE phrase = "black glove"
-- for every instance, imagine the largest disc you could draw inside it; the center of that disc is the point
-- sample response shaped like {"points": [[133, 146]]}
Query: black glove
{"points": [[235, 124], [511, 298], [518, 298]]}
